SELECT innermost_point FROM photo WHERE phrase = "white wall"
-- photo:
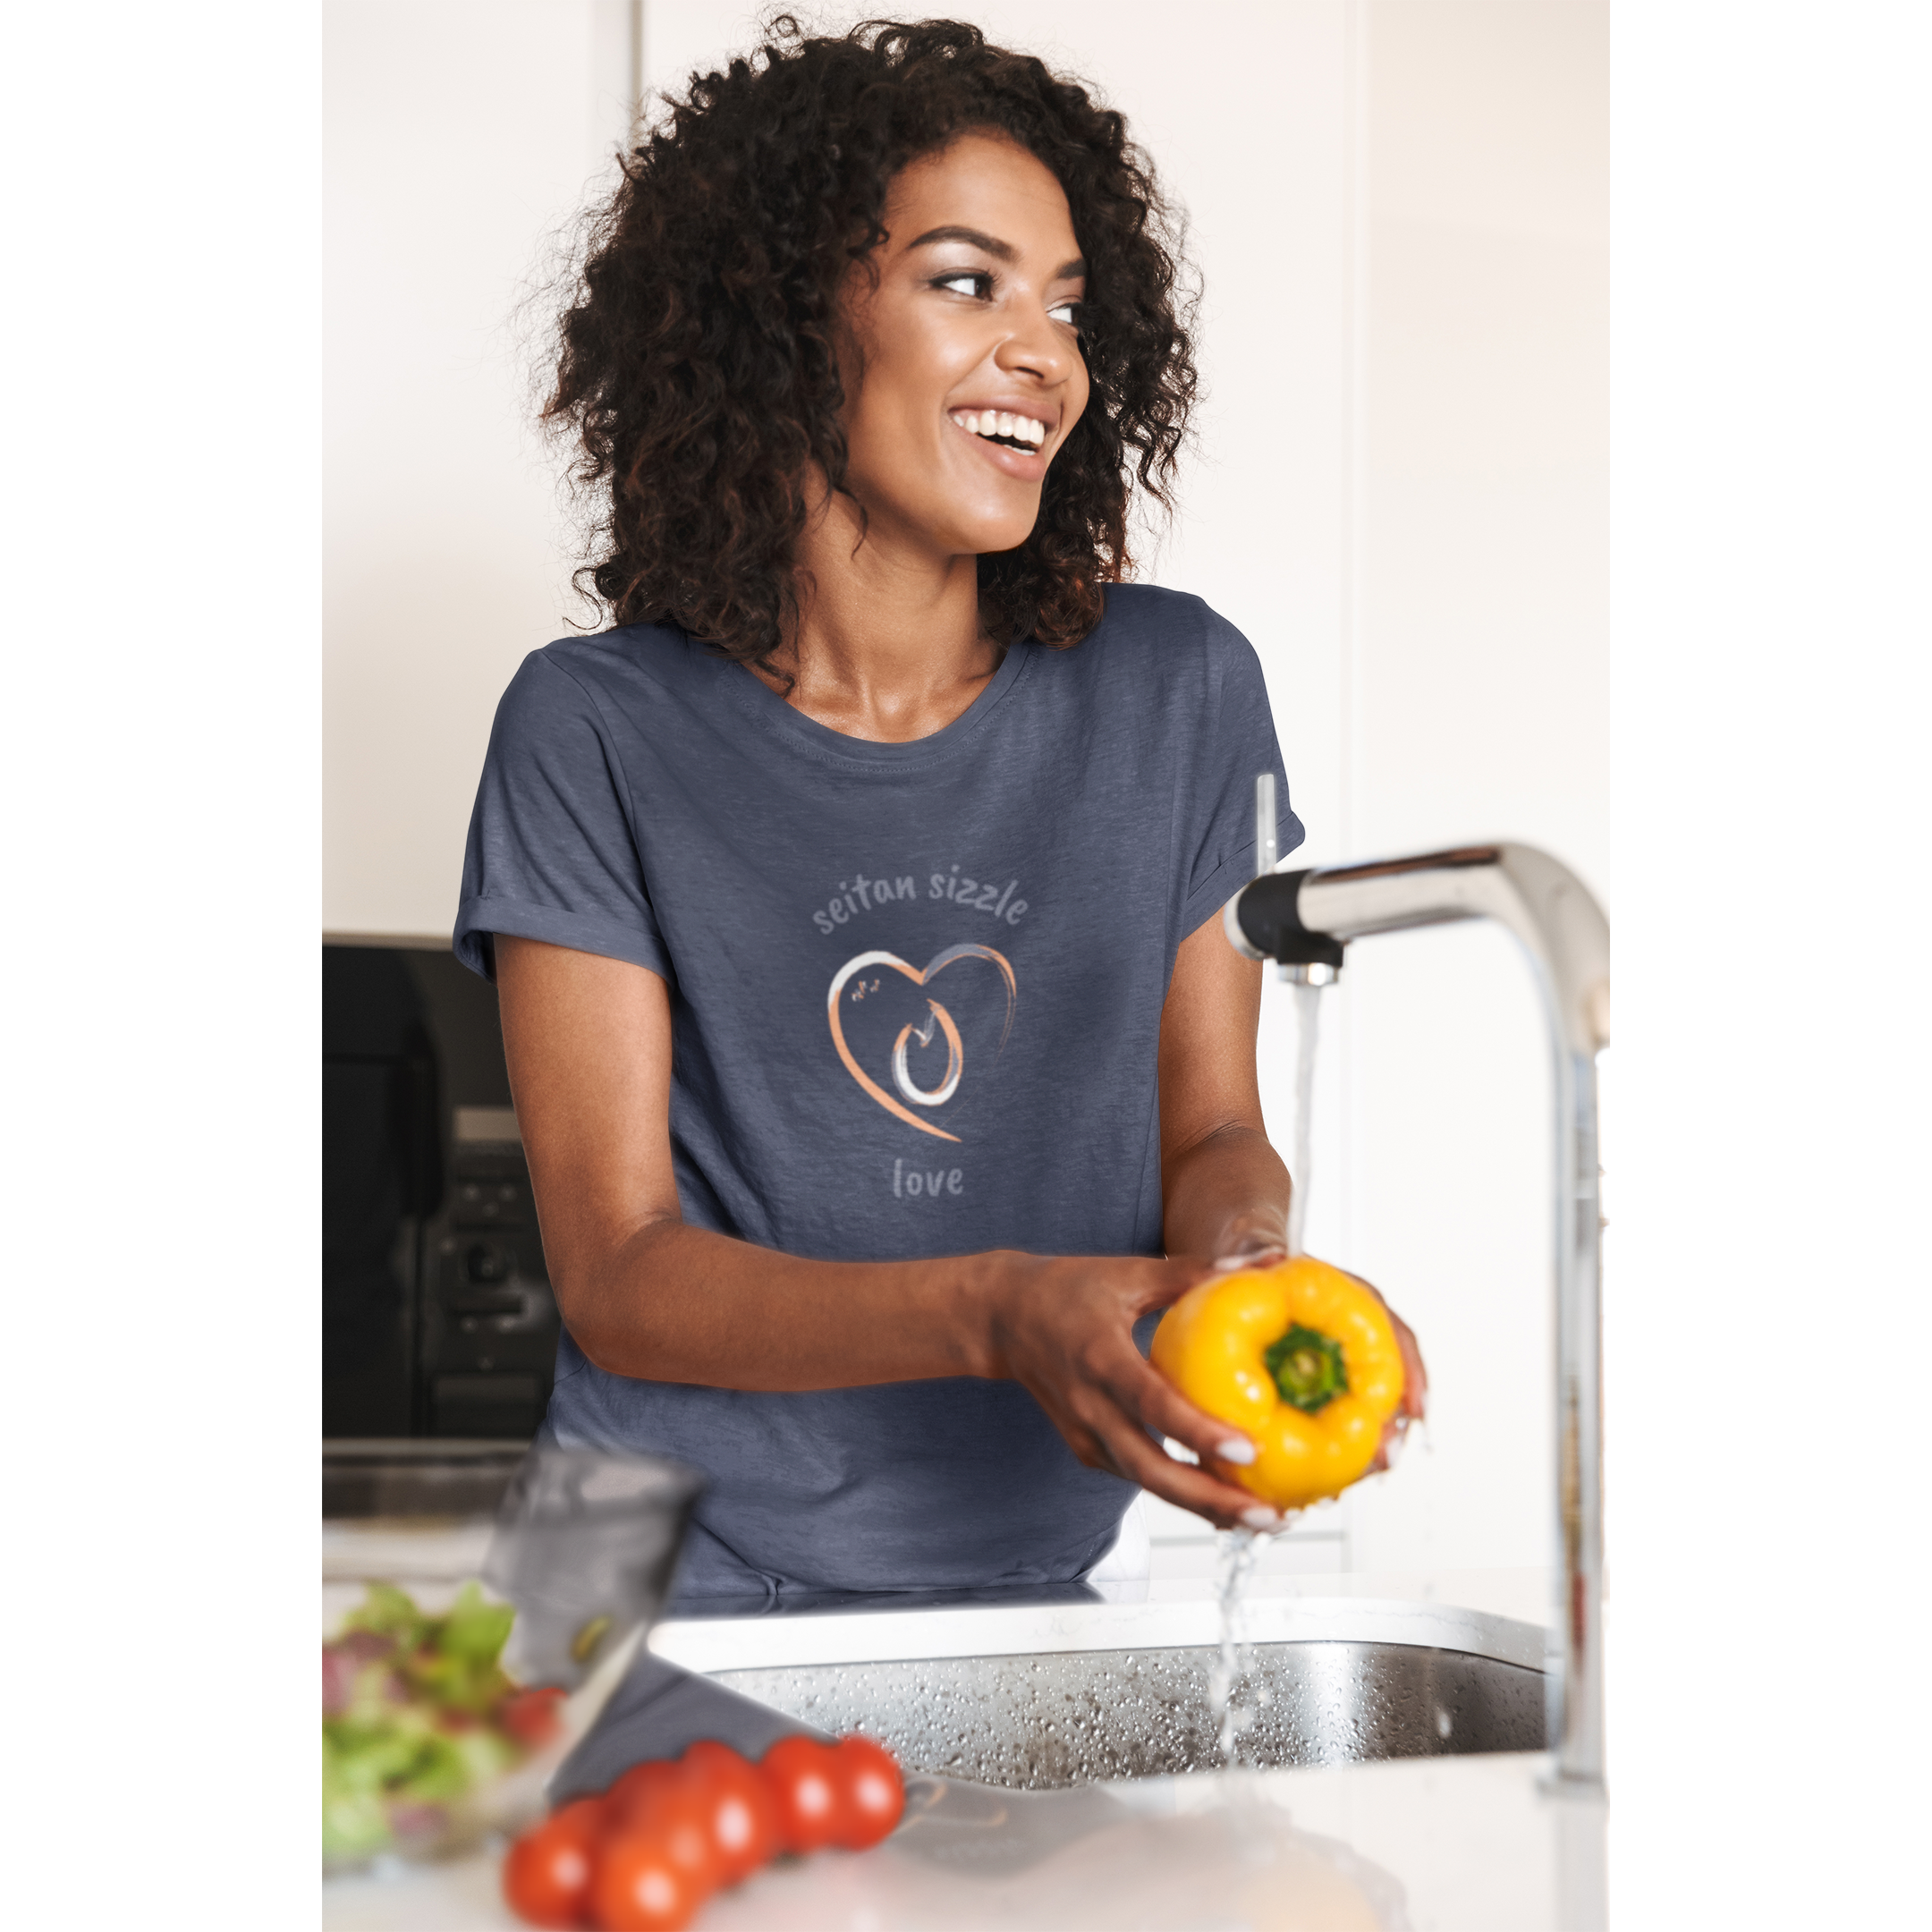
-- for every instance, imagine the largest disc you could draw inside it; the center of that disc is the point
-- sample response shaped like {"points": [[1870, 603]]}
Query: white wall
{"points": [[1397, 207], [1477, 707], [458, 135]]}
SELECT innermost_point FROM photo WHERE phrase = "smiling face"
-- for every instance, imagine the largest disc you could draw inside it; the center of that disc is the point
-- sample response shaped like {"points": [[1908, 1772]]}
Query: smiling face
{"points": [[972, 373]]}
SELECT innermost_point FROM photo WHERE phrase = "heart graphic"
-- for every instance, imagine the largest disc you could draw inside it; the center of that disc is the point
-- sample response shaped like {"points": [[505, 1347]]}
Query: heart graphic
{"points": [[937, 1020]]}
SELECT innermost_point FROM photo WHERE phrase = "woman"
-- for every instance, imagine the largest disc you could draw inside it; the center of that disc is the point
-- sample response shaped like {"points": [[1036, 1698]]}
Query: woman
{"points": [[882, 1066]]}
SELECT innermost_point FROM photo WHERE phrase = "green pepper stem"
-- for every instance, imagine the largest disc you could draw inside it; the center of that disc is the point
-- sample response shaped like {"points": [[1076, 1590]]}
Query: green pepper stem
{"points": [[1308, 1368]]}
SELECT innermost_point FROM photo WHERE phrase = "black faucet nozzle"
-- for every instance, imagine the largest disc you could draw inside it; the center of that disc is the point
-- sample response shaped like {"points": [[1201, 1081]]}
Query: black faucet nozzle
{"points": [[1270, 917]]}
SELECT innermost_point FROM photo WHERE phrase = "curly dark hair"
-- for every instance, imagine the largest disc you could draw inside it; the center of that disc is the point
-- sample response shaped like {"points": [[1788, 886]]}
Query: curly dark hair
{"points": [[698, 368]]}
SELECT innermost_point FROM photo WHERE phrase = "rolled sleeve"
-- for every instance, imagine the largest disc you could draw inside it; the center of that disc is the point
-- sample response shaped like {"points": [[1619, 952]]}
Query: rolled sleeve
{"points": [[553, 851], [1218, 830]]}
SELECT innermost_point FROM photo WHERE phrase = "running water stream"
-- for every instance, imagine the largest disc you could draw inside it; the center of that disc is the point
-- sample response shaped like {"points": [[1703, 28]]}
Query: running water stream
{"points": [[1233, 1702], [1235, 1705], [1307, 1022]]}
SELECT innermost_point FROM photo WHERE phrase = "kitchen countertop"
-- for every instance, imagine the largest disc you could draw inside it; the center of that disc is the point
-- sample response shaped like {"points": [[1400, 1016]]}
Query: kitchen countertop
{"points": [[1434, 1844], [1419, 1844]]}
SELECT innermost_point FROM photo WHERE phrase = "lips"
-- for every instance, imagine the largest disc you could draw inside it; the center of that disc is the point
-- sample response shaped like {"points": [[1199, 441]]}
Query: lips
{"points": [[919, 1030]]}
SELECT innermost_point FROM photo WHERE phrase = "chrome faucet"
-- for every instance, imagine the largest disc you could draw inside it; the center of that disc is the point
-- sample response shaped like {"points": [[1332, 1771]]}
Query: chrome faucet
{"points": [[1304, 920]]}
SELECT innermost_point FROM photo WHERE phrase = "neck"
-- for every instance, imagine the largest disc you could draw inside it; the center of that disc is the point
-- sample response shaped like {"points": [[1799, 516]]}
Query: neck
{"points": [[888, 645]]}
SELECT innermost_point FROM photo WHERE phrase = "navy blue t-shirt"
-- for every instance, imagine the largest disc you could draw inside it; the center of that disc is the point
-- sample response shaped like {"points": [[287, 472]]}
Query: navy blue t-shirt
{"points": [[916, 997]]}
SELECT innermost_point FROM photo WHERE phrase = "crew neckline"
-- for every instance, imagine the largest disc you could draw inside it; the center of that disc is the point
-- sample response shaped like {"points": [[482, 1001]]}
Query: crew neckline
{"points": [[766, 707]]}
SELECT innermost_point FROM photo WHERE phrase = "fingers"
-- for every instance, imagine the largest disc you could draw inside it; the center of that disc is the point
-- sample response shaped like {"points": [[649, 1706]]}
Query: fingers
{"points": [[1168, 1280], [1391, 1430], [1148, 1398], [1415, 1373], [1414, 1403], [1105, 1434], [1249, 1258], [1139, 1459], [1254, 1247], [1138, 1400], [1394, 1431]]}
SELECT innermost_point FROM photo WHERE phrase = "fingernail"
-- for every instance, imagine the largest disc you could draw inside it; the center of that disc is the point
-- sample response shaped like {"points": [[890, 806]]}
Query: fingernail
{"points": [[1228, 1262], [1234, 1449], [1260, 1518]]}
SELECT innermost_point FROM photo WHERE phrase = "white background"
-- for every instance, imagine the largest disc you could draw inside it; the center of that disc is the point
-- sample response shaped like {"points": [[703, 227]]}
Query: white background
{"points": [[161, 775]]}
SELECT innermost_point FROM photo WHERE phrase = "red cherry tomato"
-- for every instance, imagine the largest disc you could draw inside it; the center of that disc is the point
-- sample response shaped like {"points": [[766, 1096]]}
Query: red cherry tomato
{"points": [[707, 1754], [670, 1808], [874, 1791], [739, 1804], [546, 1876], [638, 1887], [804, 1777], [532, 1718], [632, 1796]]}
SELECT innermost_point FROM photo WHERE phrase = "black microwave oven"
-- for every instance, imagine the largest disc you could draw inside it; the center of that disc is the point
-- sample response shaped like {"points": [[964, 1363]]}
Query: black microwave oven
{"points": [[437, 1316]]}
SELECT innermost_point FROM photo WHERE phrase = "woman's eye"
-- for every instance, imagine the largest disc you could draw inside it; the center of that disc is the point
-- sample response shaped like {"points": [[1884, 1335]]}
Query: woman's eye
{"points": [[1068, 312], [967, 282]]}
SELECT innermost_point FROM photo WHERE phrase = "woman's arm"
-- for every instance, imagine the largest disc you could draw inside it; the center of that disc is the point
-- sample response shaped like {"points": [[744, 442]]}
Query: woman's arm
{"points": [[589, 1045], [1224, 1190]]}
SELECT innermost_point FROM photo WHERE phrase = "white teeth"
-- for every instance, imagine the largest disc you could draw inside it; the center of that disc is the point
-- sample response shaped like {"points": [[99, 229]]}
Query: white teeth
{"points": [[1002, 423]]}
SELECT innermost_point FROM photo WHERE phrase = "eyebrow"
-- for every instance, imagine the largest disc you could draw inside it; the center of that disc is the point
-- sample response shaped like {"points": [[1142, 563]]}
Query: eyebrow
{"points": [[992, 245]]}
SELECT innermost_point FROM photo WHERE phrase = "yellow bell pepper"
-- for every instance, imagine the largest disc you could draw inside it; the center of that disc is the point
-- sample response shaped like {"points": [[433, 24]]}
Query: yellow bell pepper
{"points": [[1301, 1358]]}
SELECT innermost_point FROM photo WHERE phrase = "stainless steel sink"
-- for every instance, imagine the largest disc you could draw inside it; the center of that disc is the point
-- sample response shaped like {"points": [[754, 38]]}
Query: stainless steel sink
{"points": [[1046, 1723]]}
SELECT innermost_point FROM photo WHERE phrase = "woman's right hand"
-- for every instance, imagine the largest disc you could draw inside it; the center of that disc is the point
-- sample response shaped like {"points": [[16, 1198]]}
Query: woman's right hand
{"points": [[1062, 1328]]}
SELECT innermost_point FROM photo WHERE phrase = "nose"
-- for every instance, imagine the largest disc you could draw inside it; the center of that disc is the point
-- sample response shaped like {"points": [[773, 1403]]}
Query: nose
{"points": [[1037, 347]]}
